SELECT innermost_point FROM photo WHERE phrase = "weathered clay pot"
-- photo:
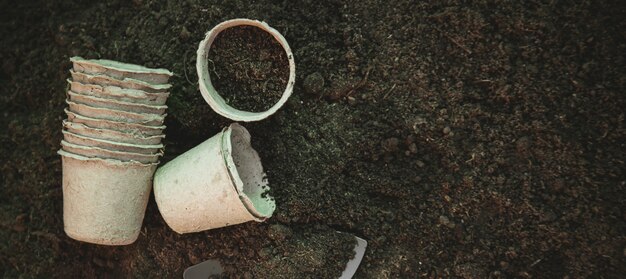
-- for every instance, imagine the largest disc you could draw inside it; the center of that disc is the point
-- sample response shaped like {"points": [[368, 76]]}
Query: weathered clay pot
{"points": [[104, 200], [217, 183]]}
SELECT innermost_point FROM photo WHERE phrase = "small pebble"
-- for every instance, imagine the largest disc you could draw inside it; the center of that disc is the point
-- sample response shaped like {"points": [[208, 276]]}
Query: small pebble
{"points": [[419, 164], [279, 232], [446, 222], [391, 144], [314, 83], [413, 148], [447, 130], [184, 34]]}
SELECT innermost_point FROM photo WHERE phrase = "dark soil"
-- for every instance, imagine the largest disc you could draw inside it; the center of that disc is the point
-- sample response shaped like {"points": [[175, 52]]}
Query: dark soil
{"points": [[251, 68], [471, 139]]}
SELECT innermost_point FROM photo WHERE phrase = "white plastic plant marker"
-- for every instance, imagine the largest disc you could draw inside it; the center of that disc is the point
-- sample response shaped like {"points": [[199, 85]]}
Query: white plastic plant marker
{"points": [[120, 70], [354, 263], [97, 152], [114, 104], [132, 128], [203, 270], [216, 184], [111, 145], [213, 98], [104, 201], [128, 83], [118, 93], [117, 115], [112, 135]]}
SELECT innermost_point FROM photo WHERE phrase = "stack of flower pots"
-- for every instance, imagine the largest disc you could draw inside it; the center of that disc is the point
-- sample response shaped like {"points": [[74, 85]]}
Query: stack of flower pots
{"points": [[111, 147]]}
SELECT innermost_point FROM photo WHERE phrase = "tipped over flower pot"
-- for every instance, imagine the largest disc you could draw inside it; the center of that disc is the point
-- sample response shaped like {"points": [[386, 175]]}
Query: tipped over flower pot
{"points": [[217, 183], [104, 201]]}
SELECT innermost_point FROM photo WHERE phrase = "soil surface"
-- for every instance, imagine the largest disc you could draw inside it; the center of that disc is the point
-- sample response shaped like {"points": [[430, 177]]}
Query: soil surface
{"points": [[251, 69], [465, 139]]}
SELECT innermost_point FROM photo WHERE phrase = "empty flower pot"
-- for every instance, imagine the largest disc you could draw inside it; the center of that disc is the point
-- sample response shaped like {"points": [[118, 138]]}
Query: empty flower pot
{"points": [[129, 83], [117, 115], [112, 135], [114, 104], [104, 201], [97, 152], [217, 183], [118, 93], [132, 128], [111, 145], [120, 70]]}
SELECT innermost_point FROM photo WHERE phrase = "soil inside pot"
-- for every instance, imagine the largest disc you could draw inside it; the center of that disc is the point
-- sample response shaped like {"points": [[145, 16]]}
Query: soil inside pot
{"points": [[251, 69]]}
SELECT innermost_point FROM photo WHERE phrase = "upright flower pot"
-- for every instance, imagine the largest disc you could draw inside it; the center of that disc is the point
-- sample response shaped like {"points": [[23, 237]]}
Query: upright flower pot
{"points": [[111, 145], [114, 104], [128, 83], [217, 183], [112, 135], [118, 93], [132, 128], [117, 115], [120, 70], [104, 201], [97, 152]]}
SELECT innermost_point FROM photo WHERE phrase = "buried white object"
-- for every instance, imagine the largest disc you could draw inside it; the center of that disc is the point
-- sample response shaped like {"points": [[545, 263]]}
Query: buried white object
{"points": [[211, 96], [354, 263], [104, 201], [216, 184]]}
